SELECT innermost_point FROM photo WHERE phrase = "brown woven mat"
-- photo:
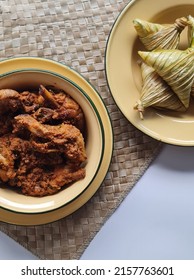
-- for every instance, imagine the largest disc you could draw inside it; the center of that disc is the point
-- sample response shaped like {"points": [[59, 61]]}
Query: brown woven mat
{"points": [[75, 32]]}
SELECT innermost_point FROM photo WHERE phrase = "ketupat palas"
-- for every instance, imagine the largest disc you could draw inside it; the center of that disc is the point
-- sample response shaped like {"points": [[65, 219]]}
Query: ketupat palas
{"points": [[167, 76], [191, 31], [156, 93], [176, 67], [157, 36], [191, 41]]}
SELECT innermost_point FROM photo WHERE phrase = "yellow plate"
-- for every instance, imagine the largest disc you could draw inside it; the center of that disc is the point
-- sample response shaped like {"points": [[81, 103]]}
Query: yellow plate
{"points": [[60, 69], [123, 73]]}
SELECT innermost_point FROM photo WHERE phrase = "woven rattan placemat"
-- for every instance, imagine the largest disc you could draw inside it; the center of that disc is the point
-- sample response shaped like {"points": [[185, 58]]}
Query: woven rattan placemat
{"points": [[75, 32]]}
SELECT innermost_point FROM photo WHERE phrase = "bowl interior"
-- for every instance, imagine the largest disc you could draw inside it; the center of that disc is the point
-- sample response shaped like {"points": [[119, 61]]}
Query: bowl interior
{"points": [[27, 79]]}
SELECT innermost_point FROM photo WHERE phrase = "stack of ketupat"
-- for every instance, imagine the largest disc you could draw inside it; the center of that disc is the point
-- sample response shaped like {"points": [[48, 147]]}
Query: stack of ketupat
{"points": [[167, 72]]}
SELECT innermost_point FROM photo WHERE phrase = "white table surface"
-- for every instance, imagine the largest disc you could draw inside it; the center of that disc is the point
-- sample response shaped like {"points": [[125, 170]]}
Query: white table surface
{"points": [[155, 221]]}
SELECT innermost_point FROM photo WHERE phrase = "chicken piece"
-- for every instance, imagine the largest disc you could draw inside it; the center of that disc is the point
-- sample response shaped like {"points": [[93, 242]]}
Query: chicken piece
{"points": [[9, 105], [25, 158], [66, 174], [69, 112], [44, 115], [31, 101], [6, 159], [5, 124], [65, 109], [9, 101], [48, 96], [41, 183], [64, 138], [34, 173], [16, 158]]}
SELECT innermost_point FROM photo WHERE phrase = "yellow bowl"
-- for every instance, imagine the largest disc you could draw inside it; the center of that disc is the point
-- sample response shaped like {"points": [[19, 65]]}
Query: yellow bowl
{"points": [[26, 78]]}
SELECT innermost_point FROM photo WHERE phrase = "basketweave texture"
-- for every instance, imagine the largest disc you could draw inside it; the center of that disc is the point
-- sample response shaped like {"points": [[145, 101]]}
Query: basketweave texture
{"points": [[75, 32]]}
